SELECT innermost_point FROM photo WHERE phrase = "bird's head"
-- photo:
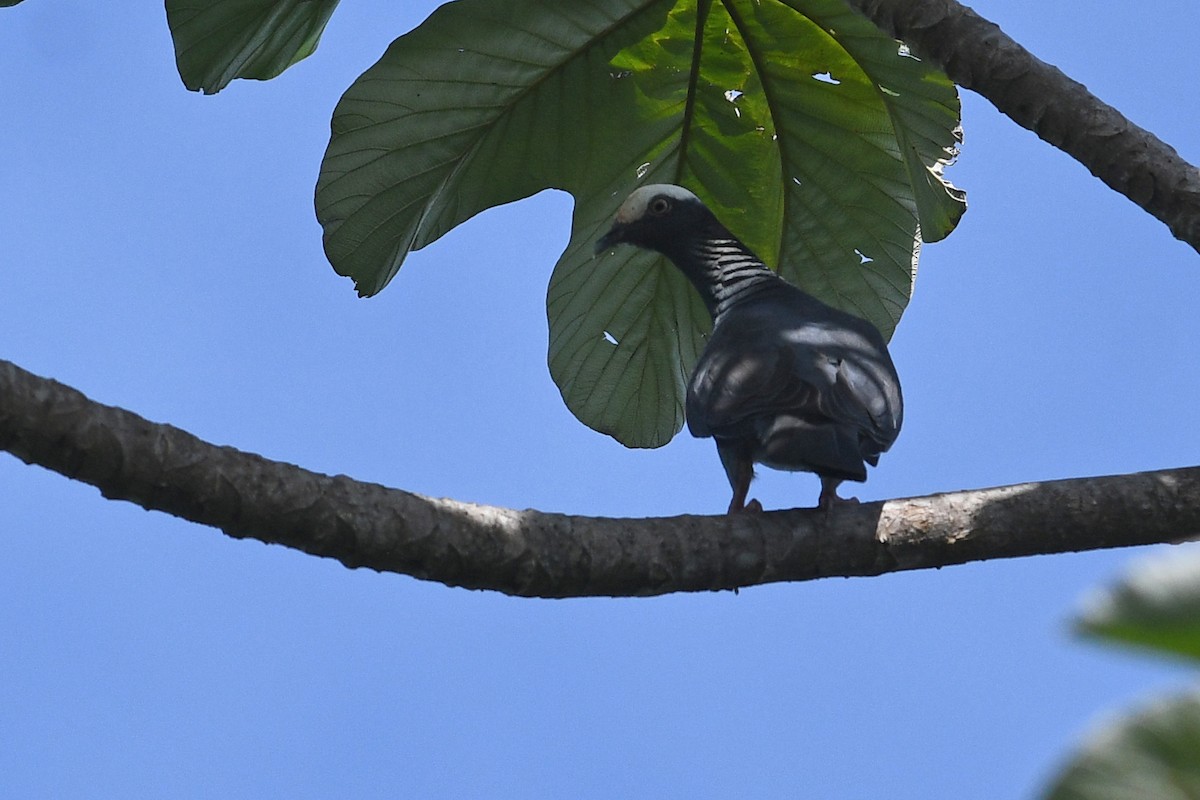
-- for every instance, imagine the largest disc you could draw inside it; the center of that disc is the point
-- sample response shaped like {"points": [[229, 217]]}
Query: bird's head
{"points": [[657, 216]]}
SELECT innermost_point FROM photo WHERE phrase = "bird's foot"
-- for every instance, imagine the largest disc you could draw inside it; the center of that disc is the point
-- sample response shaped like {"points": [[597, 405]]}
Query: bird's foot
{"points": [[830, 500], [829, 496], [753, 507]]}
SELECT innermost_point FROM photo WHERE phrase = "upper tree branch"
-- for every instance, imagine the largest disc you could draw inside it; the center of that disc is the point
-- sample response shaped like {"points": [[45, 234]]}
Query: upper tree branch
{"points": [[977, 55], [531, 553]]}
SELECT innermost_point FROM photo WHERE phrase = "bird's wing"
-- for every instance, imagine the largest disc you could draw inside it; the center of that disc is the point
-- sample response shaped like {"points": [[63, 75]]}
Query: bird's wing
{"points": [[733, 387], [760, 369]]}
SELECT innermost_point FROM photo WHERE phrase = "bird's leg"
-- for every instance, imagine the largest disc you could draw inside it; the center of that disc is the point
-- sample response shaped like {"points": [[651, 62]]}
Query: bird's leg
{"points": [[740, 481], [739, 468], [829, 496]]}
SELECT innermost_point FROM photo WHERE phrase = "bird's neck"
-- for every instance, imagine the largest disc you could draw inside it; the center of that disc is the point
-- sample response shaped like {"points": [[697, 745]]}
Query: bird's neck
{"points": [[723, 270]]}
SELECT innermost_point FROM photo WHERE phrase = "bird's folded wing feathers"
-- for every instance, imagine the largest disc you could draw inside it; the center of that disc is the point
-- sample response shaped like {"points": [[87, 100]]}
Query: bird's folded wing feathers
{"points": [[787, 373]]}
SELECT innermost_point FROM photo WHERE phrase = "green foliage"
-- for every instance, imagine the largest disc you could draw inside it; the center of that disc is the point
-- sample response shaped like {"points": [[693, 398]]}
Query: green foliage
{"points": [[816, 138], [1154, 753], [219, 40], [811, 134], [1156, 606]]}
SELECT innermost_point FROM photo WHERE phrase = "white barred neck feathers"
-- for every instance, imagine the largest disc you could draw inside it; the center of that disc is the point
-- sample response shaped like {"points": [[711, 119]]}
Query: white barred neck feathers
{"points": [[732, 271], [673, 221]]}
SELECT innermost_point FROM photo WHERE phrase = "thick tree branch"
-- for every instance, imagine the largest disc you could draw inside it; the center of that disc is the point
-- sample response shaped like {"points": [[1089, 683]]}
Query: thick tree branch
{"points": [[977, 55], [551, 555]]}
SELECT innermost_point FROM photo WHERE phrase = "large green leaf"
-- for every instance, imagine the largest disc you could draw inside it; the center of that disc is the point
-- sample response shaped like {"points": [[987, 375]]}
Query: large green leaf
{"points": [[1153, 754], [219, 40], [812, 135], [1157, 605]]}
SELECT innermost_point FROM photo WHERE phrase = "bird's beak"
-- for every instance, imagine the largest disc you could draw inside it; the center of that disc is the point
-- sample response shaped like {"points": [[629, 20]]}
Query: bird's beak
{"points": [[615, 236]]}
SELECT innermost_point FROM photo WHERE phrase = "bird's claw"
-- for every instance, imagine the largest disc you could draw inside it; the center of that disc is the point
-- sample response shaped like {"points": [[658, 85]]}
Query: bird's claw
{"points": [[830, 501], [753, 507]]}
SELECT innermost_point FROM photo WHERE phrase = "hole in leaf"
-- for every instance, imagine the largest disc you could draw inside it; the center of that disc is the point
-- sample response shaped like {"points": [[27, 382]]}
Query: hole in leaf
{"points": [[608, 337], [642, 170], [889, 92], [732, 95], [825, 77], [904, 51], [863, 258], [796, 181]]}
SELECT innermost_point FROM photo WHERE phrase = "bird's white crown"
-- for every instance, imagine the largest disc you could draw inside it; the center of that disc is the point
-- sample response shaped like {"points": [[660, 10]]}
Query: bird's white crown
{"points": [[635, 205]]}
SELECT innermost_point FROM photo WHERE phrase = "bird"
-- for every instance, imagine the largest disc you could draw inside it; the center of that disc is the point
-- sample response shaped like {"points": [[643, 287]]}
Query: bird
{"points": [[784, 380]]}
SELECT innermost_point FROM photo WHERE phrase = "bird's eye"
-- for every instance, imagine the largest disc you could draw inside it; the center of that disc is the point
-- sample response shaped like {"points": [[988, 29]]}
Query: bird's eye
{"points": [[660, 206]]}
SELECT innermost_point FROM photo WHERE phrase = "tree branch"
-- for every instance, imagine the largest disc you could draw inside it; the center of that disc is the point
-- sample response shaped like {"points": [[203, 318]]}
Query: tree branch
{"points": [[977, 55], [551, 555]]}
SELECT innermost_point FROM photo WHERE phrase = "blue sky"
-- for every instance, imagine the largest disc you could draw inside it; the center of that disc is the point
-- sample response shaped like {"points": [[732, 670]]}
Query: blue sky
{"points": [[158, 251]]}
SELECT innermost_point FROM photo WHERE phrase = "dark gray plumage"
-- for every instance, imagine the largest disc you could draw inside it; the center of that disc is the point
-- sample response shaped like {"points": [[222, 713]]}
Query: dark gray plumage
{"points": [[785, 380]]}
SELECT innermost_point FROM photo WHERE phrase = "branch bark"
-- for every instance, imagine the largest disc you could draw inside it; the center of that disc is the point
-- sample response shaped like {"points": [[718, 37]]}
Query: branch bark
{"points": [[531, 553], [977, 55]]}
